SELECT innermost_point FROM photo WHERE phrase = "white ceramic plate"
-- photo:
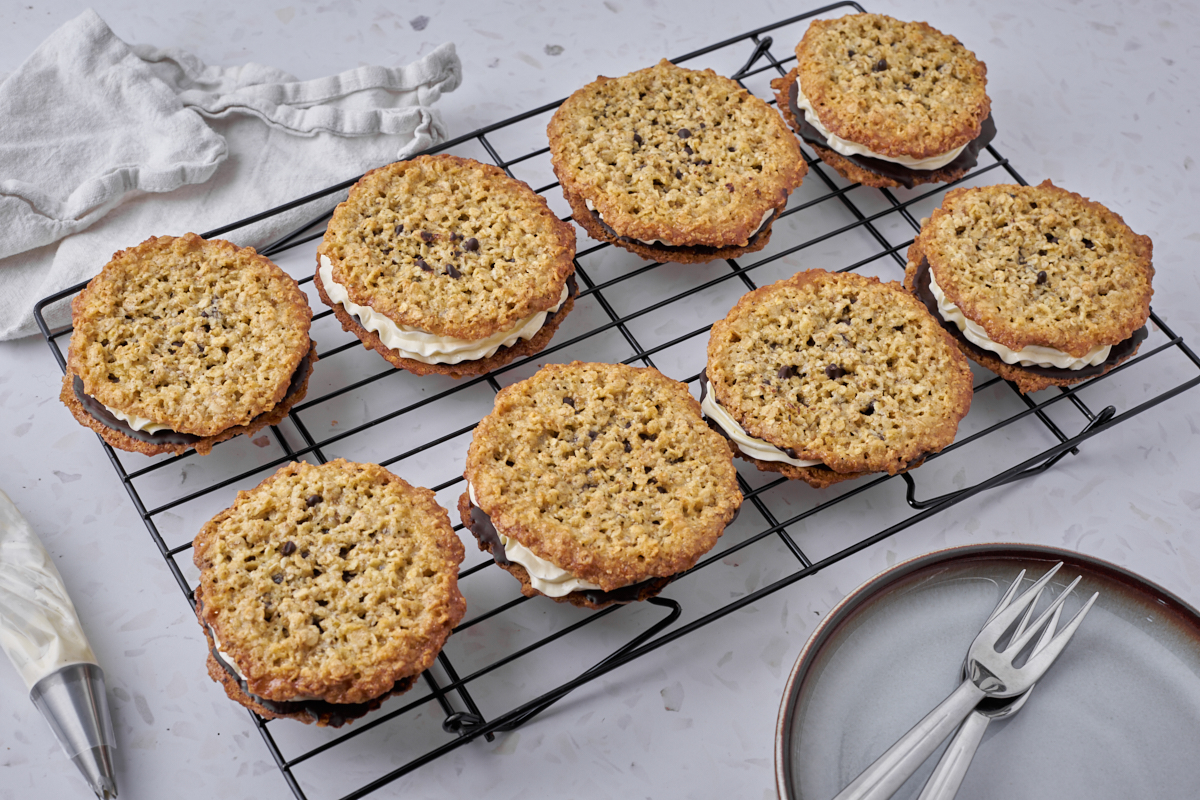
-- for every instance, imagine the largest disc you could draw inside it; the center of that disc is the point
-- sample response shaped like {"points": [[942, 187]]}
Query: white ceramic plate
{"points": [[1117, 716]]}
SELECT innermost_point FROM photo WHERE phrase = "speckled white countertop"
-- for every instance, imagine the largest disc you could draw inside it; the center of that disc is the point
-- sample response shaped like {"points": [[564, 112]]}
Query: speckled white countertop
{"points": [[1098, 96]]}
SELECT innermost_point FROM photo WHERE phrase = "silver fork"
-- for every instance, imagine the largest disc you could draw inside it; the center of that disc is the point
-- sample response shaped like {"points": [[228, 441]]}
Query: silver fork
{"points": [[951, 769], [989, 673]]}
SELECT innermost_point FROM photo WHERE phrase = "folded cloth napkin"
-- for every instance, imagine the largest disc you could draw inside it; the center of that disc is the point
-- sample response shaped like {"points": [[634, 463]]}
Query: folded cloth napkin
{"points": [[103, 145]]}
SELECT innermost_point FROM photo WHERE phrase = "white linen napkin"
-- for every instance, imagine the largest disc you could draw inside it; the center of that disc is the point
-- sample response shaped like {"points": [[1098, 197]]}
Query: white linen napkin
{"points": [[103, 145]]}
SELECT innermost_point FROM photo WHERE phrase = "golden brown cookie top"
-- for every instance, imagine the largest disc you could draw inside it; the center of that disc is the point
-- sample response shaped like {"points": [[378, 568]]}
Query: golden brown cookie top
{"points": [[841, 369], [1038, 265], [898, 88], [449, 246], [682, 156], [196, 335], [330, 582], [605, 470]]}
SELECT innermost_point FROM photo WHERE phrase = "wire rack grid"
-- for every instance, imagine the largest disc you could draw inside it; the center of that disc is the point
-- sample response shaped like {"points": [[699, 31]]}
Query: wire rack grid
{"points": [[492, 674]]}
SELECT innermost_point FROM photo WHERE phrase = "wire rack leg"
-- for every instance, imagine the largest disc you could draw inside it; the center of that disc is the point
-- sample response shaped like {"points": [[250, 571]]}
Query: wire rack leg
{"points": [[910, 495], [662, 602]]}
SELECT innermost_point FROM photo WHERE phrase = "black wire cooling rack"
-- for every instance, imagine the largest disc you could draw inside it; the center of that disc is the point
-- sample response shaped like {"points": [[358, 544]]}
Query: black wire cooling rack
{"points": [[635, 312]]}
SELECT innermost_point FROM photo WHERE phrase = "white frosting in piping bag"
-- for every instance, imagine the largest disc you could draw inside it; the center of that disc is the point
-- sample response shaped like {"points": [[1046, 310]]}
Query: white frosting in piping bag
{"points": [[848, 148], [39, 629], [548, 579], [1028, 356], [429, 348], [755, 448]]}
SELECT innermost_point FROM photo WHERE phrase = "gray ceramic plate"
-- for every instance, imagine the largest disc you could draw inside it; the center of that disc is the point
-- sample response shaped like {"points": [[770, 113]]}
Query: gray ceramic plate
{"points": [[1117, 716]]}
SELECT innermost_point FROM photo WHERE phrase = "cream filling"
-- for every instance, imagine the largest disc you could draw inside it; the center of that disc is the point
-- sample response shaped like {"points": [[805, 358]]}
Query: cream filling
{"points": [[136, 422], [1029, 356], [849, 148], [544, 576], [228, 659], [429, 348], [761, 226], [755, 448]]}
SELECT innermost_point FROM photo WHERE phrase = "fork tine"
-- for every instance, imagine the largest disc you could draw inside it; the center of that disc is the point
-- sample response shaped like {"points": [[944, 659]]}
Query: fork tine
{"points": [[1019, 642], [992, 631], [1048, 631], [1024, 623], [1041, 661], [1008, 596]]}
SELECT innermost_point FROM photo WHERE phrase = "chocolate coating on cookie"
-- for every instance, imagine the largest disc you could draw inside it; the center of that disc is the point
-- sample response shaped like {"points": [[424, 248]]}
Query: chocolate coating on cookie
{"points": [[319, 712], [685, 254], [480, 524], [882, 173], [97, 410], [120, 435]]}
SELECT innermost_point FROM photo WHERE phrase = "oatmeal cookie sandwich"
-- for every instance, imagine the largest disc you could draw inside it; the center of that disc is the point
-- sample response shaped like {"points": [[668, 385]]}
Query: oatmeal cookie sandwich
{"points": [[446, 265], [887, 103], [1040, 285], [325, 590], [674, 164], [825, 377], [182, 343], [594, 484]]}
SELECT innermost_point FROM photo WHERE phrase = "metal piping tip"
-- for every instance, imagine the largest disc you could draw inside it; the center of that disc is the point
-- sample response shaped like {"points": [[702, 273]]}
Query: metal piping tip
{"points": [[96, 765], [74, 704]]}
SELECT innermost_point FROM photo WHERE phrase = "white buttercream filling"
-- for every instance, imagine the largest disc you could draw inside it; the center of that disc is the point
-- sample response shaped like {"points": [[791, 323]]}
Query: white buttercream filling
{"points": [[761, 226], [755, 448], [136, 422], [550, 580], [1029, 356], [228, 659], [429, 348], [849, 148]]}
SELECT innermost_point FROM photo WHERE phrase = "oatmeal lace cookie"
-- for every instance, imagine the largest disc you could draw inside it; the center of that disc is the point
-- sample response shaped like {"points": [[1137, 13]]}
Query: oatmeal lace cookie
{"points": [[887, 103], [674, 164], [1036, 283], [596, 483], [825, 377], [181, 343], [325, 590], [446, 265]]}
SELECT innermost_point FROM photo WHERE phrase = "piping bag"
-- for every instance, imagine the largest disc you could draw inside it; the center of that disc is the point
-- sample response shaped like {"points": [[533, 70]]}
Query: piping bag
{"points": [[40, 632]]}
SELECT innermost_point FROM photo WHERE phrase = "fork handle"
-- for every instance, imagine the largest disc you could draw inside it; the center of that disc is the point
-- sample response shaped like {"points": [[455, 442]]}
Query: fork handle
{"points": [[948, 775], [892, 769]]}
